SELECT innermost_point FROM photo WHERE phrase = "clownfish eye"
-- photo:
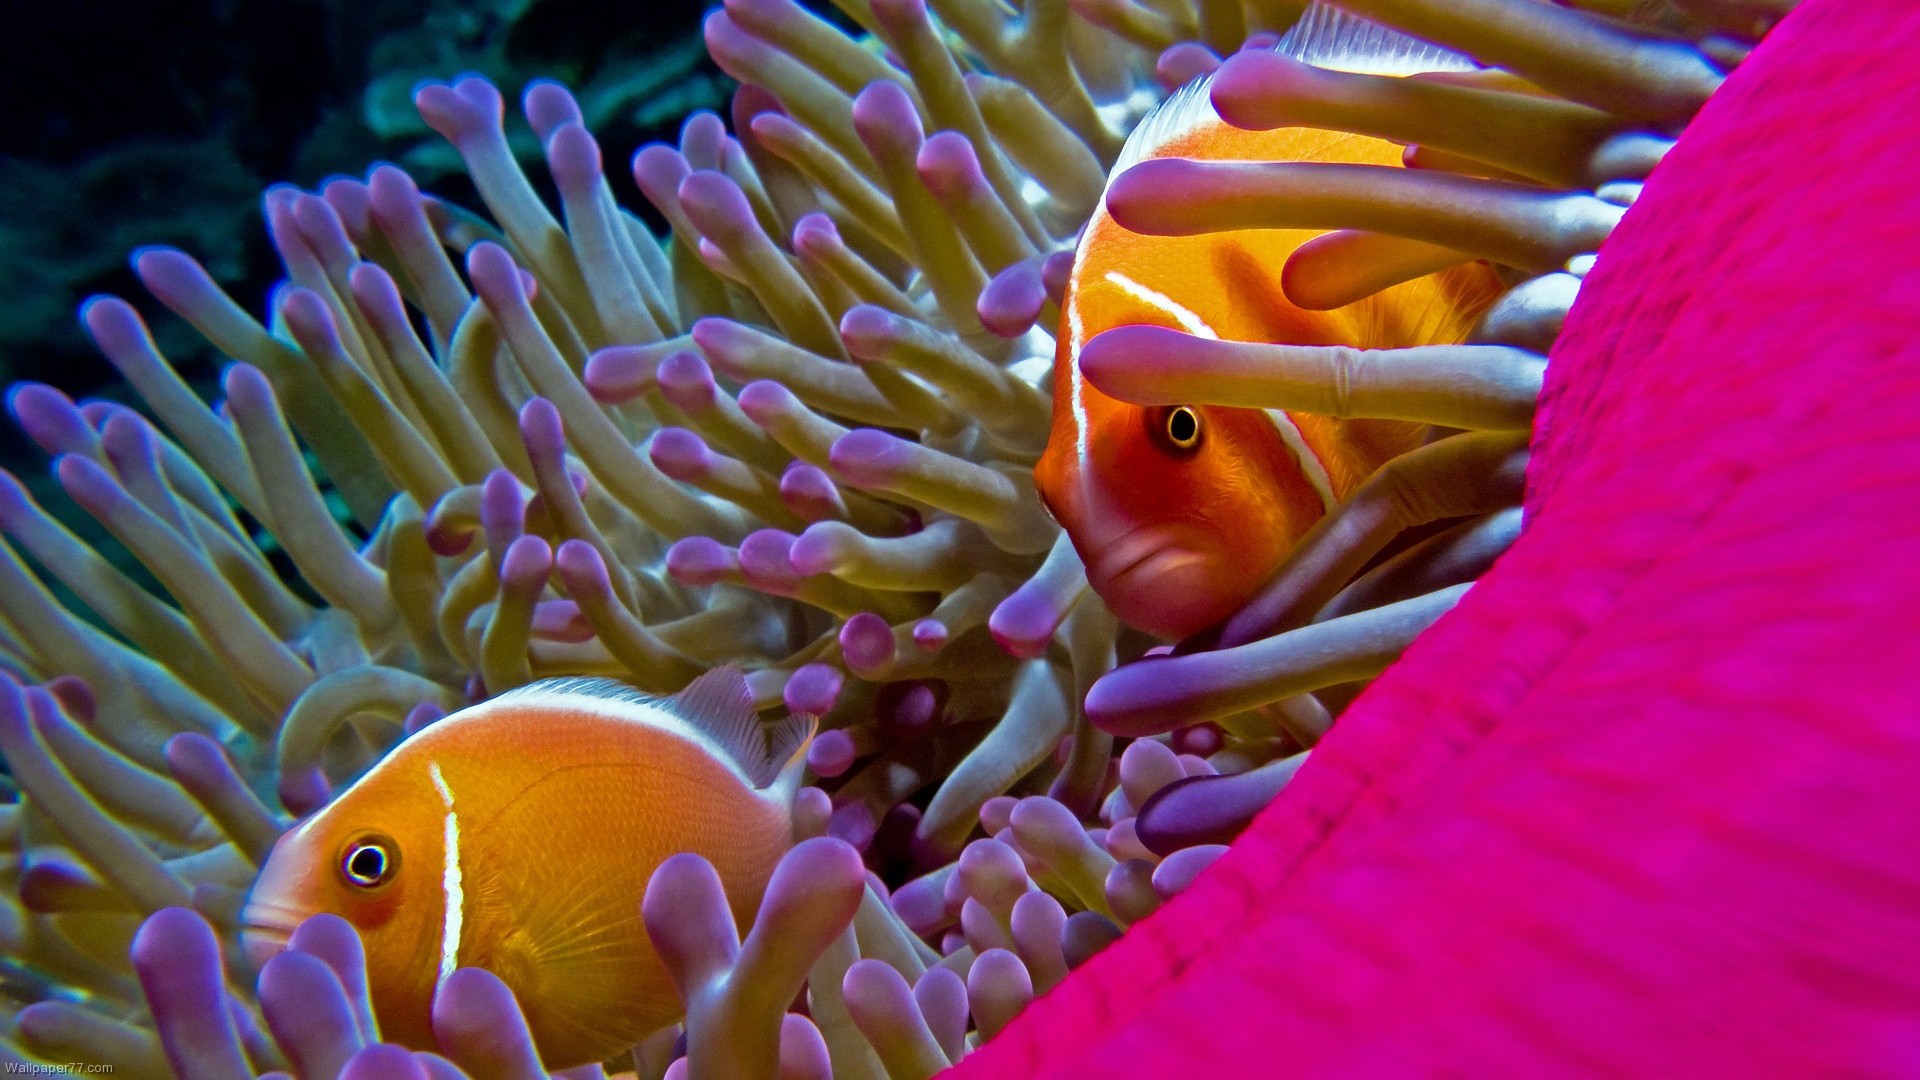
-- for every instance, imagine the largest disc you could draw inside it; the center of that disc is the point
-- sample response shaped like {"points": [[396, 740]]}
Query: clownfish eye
{"points": [[369, 861], [1183, 428]]}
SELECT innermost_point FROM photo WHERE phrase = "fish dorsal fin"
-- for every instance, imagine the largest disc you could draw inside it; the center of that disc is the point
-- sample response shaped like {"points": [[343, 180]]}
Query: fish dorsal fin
{"points": [[1329, 37], [715, 710], [1325, 37], [787, 754], [720, 705], [1186, 109]]}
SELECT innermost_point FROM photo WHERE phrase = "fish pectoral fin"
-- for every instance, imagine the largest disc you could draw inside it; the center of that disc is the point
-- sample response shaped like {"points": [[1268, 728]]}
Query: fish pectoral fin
{"points": [[578, 999], [581, 967]]}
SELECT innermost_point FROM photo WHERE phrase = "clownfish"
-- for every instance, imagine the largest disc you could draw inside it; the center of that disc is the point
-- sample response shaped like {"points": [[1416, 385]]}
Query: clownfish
{"points": [[1181, 512], [518, 836]]}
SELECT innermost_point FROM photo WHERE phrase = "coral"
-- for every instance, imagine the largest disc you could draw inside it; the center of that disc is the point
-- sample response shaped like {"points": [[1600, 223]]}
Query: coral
{"points": [[797, 437]]}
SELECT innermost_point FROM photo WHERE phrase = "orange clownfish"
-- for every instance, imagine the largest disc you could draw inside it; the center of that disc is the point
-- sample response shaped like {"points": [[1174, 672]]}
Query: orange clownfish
{"points": [[519, 835], [1180, 513]]}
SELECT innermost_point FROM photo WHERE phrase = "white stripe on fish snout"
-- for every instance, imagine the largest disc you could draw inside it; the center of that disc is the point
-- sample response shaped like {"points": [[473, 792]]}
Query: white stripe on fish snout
{"points": [[450, 880], [1289, 432]]}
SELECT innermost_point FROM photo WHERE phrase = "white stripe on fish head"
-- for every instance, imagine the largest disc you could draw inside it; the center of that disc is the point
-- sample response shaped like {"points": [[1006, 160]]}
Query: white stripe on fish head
{"points": [[450, 880]]}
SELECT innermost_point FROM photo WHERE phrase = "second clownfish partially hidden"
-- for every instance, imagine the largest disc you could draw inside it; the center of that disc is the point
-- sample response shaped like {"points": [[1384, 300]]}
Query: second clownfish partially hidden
{"points": [[1181, 512], [519, 835]]}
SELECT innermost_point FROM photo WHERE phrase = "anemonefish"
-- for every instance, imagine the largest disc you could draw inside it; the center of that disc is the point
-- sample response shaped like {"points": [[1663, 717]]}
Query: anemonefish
{"points": [[1181, 512], [518, 836]]}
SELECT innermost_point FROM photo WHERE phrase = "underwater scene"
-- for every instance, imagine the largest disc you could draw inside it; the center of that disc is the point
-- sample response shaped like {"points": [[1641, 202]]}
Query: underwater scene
{"points": [[868, 539]]}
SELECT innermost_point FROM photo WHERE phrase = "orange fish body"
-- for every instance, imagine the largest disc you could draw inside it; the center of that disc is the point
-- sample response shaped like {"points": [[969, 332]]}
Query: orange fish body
{"points": [[1179, 513], [519, 835]]}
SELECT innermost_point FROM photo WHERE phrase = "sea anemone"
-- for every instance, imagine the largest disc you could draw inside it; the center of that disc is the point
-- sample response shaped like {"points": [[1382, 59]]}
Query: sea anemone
{"points": [[796, 438]]}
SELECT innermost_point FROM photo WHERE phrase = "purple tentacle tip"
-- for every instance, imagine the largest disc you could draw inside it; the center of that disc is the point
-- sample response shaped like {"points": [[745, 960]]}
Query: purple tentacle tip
{"points": [[868, 330], [898, 16], [701, 560], [819, 549], [496, 276], [574, 158], [322, 227], [1148, 696], [422, 716], [909, 707], [479, 1025], [657, 171], [549, 105], [1180, 64], [1056, 272], [949, 166], [502, 510], [687, 381], [471, 106], [198, 762], [809, 492], [542, 429], [89, 485], [15, 503], [764, 560], [814, 236], [174, 277], [384, 1061], [680, 454], [1024, 622], [1012, 301], [832, 753], [524, 571], [887, 122], [177, 957], [75, 697], [1208, 809], [49, 418], [46, 885], [1173, 876], [303, 791], [310, 321], [868, 457], [867, 643], [765, 401], [931, 634], [854, 824], [583, 570], [619, 373], [922, 905], [561, 620], [352, 201], [703, 138], [813, 689], [394, 196]]}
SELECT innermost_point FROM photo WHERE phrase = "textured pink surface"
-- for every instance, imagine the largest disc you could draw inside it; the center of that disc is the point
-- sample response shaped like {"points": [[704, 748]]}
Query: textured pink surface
{"points": [[1648, 802]]}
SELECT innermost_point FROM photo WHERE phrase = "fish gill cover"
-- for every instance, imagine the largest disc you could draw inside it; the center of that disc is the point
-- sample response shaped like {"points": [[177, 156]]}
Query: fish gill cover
{"points": [[791, 428]]}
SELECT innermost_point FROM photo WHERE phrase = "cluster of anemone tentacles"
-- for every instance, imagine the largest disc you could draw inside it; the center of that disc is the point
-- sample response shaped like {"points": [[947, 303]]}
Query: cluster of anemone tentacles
{"points": [[795, 437]]}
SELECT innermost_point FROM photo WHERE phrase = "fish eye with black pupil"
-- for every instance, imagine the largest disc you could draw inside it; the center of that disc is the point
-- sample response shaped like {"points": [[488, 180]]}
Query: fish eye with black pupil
{"points": [[368, 862], [1183, 428]]}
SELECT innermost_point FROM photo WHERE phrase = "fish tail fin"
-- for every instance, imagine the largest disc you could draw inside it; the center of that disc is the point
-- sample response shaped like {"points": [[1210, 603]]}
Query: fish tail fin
{"points": [[787, 747]]}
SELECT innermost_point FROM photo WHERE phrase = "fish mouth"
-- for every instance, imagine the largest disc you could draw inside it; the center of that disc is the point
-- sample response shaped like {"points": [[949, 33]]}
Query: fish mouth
{"points": [[1138, 558], [1158, 579], [265, 930]]}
